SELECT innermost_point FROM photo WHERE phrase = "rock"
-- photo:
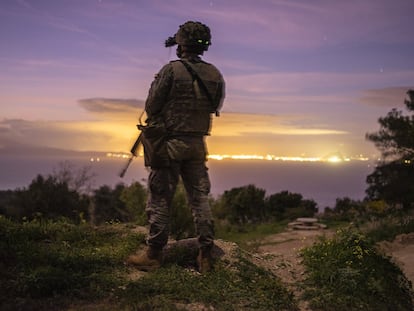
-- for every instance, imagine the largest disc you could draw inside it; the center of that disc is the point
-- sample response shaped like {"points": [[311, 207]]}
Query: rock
{"points": [[306, 223], [307, 220]]}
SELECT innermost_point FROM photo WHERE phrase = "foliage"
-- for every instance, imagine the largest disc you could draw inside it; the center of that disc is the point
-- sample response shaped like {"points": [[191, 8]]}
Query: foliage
{"points": [[248, 204], [387, 228], [48, 198], [393, 182], [357, 211], [347, 273], [181, 220], [288, 205], [345, 209], [242, 287], [242, 205], [59, 264], [108, 206], [250, 235], [134, 197], [79, 180], [6, 197], [43, 260], [393, 178]]}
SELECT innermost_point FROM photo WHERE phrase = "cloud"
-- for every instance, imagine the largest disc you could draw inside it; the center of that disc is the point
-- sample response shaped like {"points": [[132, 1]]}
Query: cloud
{"points": [[110, 133], [392, 97], [111, 105], [97, 135], [238, 124]]}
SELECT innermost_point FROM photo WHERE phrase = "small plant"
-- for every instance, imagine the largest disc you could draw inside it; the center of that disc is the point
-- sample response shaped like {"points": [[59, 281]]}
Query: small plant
{"points": [[347, 273]]}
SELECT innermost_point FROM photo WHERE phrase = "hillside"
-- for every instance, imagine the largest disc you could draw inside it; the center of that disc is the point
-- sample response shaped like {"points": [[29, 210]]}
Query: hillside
{"points": [[60, 266]]}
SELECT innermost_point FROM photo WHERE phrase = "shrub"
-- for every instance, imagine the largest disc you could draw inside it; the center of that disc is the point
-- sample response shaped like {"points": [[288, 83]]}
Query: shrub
{"points": [[347, 273]]}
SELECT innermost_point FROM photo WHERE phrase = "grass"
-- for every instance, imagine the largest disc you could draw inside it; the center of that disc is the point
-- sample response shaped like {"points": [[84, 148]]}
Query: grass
{"points": [[249, 236], [243, 287], [43, 262], [386, 229], [48, 265]]}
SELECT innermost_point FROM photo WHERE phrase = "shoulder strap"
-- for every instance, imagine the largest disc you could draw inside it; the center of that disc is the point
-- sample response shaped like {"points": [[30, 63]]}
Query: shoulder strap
{"points": [[195, 76]]}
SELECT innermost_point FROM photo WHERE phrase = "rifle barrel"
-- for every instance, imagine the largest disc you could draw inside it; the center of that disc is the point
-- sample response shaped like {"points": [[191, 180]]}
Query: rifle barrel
{"points": [[133, 155], [122, 173]]}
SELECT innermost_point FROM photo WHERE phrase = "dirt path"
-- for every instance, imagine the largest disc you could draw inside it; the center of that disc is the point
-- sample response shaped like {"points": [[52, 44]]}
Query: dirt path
{"points": [[280, 254], [402, 250]]}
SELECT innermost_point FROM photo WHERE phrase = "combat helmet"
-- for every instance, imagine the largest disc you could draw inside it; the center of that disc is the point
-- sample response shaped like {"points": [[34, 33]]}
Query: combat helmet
{"points": [[191, 34]]}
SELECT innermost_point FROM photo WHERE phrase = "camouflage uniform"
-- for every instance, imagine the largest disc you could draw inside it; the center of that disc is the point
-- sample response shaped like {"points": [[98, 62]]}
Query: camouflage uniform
{"points": [[186, 112]]}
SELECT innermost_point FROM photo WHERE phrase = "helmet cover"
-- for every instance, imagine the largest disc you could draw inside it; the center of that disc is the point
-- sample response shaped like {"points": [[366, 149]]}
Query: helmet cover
{"points": [[191, 34]]}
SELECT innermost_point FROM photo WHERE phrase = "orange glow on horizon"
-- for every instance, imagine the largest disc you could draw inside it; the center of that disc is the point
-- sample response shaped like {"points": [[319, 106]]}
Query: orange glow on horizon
{"points": [[268, 157]]}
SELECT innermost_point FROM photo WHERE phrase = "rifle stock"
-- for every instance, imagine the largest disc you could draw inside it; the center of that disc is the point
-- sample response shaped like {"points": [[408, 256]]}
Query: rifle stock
{"points": [[133, 155]]}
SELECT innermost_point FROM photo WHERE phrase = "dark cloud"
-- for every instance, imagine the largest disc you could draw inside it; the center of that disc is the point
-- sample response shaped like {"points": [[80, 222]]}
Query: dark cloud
{"points": [[111, 105], [392, 97]]}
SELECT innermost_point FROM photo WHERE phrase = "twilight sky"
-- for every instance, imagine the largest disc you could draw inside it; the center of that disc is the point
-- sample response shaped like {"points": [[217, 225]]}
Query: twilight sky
{"points": [[303, 77]]}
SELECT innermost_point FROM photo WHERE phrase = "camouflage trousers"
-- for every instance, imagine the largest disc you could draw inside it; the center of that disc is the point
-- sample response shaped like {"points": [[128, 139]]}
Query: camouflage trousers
{"points": [[188, 156]]}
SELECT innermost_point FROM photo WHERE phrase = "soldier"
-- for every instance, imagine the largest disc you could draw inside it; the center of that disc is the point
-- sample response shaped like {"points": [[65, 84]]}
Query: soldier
{"points": [[182, 98]]}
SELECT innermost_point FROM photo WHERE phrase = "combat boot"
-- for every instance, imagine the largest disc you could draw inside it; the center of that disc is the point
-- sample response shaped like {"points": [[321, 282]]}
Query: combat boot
{"points": [[148, 259], [204, 260]]}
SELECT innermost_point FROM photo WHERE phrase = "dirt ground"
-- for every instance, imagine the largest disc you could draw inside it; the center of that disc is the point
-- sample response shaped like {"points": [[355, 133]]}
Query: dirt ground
{"points": [[280, 254]]}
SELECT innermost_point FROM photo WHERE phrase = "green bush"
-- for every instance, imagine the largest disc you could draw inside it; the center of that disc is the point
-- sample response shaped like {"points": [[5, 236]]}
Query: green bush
{"points": [[347, 273]]}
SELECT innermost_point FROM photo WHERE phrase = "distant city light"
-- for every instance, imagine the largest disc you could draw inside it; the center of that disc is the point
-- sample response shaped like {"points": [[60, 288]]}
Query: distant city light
{"points": [[268, 157], [117, 155], [334, 159]]}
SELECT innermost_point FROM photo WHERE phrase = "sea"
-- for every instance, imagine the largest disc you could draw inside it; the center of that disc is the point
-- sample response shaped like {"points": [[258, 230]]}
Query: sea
{"points": [[322, 182]]}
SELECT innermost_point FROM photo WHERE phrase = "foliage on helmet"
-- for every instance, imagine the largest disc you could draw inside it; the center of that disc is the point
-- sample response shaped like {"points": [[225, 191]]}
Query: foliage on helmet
{"points": [[191, 34]]}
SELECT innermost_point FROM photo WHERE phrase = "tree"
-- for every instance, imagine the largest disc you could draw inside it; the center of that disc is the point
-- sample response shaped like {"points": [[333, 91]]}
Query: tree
{"points": [[288, 205], [6, 201], [181, 220], [278, 203], [392, 182], [108, 205], [242, 205], [348, 209], [393, 178], [49, 198], [79, 180], [134, 197]]}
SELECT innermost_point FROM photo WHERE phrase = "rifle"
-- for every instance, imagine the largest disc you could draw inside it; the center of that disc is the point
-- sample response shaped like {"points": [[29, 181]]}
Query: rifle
{"points": [[133, 155]]}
